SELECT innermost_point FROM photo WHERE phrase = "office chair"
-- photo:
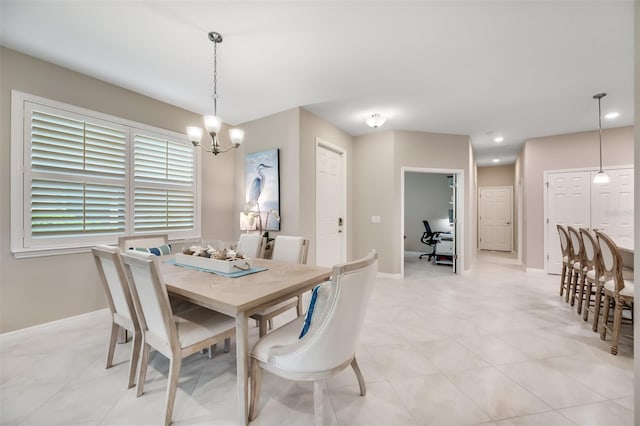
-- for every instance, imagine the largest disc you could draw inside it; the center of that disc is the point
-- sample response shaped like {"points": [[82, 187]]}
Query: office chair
{"points": [[429, 238]]}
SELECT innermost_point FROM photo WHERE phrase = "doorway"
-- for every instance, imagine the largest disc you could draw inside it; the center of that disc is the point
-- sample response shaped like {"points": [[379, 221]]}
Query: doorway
{"points": [[435, 196], [331, 193]]}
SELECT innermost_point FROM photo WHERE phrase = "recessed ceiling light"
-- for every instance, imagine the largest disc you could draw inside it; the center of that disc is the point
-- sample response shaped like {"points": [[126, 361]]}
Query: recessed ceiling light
{"points": [[612, 115], [498, 139], [496, 160]]}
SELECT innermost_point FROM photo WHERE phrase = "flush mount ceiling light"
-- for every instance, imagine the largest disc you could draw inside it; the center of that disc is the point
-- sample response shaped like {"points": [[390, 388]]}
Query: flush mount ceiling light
{"points": [[498, 139], [601, 177], [375, 120], [496, 160], [212, 122], [612, 115]]}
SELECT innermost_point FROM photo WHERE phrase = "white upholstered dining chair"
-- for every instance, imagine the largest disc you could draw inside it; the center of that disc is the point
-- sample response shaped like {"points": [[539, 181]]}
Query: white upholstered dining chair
{"points": [[123, 314], [289, 249], [324, 342], [174, 336], [252, 245]]}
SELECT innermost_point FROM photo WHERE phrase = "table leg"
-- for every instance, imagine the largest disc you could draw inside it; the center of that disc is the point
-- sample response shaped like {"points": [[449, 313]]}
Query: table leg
{"points": [[242, 357]]}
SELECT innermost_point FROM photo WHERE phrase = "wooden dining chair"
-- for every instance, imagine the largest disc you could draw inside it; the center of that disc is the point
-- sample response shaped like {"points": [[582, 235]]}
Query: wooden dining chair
{"points": [[324, 342], [123, 314], [567, 256], [617, 290], [287, 249], [174, 336], [592, 296], [578, 269]]}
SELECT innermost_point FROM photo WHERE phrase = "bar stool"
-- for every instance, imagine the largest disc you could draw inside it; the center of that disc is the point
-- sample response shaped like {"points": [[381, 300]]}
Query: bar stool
{"points": [[565, 246], [579, 270], [593, 277]]}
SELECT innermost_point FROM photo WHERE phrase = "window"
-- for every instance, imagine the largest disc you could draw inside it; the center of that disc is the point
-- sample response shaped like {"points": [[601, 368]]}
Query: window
{"points": [[80, 178]]}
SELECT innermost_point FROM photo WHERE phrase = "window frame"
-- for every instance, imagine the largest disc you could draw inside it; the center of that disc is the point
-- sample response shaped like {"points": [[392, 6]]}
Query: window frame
{"points": [[21, 178]]}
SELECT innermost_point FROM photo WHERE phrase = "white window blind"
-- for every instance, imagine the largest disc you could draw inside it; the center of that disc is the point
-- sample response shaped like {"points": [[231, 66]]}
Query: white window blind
{"points": [[80, 178], [164, 196]]}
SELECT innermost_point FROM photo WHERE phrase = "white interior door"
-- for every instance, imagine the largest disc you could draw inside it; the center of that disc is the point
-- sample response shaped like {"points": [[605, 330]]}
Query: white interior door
{"points": [[330, 206], [612, 206], [568, 203], [495, 218]]}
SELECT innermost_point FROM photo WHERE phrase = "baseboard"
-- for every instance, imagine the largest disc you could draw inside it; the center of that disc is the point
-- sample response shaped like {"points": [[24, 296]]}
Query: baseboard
{"points": [[39, 328], [535, 270], [387, 275]]}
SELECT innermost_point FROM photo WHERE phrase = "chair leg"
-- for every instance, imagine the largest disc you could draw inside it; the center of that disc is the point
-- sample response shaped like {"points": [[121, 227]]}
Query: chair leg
{"points": [[115, 328], [136, 346], [256, 382], [569, 278], [563, 277], [573, 285], [617, 324], [227, 344], [263, 328], [144, 361], [318, 406], [174, 374], [605, 316], [210, 352], [580, 294], [587, 300], [596, 307], [356, 369]]}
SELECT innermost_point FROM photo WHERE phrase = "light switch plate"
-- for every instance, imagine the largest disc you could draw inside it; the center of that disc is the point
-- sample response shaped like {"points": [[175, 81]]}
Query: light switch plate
{"points": [[375, 219]]}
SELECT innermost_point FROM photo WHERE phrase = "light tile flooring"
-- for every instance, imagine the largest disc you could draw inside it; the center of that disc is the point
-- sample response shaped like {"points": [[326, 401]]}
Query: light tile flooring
{"points": [[496, 346]]}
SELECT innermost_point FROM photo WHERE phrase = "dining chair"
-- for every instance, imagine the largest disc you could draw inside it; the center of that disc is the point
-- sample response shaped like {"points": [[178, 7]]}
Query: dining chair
{"points": [[123, 314], [578, 270], [324, 342], [252, 245], [174, 336], [289, 249], [617, 290], [567, 256]]}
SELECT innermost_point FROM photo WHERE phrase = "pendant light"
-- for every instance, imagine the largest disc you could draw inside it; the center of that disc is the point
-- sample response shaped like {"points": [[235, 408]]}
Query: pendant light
{"points": [[601, 177]]}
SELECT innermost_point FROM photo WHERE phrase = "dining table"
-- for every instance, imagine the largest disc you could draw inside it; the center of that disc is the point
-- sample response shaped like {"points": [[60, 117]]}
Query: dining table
{"points": [[241, 297]]}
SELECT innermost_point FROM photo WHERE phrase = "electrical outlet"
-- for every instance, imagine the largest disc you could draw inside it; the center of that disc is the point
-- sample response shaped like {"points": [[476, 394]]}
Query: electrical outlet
{"points": [[375, 219]]}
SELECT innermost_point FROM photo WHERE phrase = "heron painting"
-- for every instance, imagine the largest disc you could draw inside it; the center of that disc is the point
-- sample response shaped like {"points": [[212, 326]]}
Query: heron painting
{"points": [[262, 188]]}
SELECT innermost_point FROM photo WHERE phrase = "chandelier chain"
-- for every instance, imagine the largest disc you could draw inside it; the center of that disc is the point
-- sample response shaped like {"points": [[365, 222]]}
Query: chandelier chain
{"points": [[215, 78]]}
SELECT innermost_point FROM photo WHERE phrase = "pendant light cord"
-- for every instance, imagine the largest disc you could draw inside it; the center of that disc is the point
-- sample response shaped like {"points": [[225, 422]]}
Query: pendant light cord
{"points": [[600, 131]]}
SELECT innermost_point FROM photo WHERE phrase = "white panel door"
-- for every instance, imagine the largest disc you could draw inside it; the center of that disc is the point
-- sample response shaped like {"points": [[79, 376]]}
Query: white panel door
{"points": [[494, 211], [330, 211], [612, 206], [568, 203]]}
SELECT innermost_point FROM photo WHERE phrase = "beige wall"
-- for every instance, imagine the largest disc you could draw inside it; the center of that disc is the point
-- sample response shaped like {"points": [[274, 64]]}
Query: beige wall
{"points": [[636, 327], [37, 290], [571, 151], [518, 195], [502, 176]]}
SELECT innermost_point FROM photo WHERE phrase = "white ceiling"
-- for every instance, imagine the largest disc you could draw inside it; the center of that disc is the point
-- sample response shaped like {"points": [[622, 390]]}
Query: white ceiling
{"points": [[517, 69]]}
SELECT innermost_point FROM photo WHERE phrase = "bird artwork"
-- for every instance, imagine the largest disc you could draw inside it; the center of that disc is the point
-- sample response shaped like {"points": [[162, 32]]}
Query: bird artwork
{"points": [[262, 208], [258, 183]]}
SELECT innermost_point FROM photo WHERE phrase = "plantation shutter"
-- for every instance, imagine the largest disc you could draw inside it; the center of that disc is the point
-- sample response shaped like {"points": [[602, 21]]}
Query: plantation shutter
{"points": [[164, 179], [78, 174]]}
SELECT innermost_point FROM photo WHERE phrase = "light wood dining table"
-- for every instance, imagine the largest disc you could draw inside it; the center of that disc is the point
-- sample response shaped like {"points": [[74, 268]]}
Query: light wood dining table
{"points": [[241, 297]]}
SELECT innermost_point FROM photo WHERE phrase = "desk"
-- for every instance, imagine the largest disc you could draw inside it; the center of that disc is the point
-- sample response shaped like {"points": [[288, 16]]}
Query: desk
{"points": [[240, 298]]}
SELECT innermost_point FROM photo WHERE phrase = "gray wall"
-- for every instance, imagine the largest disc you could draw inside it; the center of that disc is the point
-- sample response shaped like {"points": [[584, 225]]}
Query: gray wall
{"points": [[43, 289], [576, 150], [427, 196]]}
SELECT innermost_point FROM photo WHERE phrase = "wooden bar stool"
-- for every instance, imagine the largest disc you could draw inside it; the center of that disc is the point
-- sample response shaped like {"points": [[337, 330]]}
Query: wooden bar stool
{"points": [[593, 277], [565, 246], [578, 270]]}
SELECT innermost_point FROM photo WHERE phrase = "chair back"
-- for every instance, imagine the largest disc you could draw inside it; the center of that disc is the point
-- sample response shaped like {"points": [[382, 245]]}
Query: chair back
{"points": [[290, 249], [251, 244], [151, 300], [565, 242], [146, 241], [591, 251], [611, 260], [577, 248], [116, 286], [427, 228], [337, 321]]}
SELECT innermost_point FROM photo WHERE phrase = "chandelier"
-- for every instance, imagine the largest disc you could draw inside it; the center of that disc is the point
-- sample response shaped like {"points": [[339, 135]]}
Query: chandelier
{"points": [[212, 123]]}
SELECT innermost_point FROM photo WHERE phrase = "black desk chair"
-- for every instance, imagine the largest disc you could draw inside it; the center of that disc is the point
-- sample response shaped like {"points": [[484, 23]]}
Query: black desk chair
{"points": [[429, 238]]}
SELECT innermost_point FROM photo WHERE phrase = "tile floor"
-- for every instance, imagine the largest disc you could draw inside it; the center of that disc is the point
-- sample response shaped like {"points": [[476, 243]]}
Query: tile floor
{"points": [[496, 346]]}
